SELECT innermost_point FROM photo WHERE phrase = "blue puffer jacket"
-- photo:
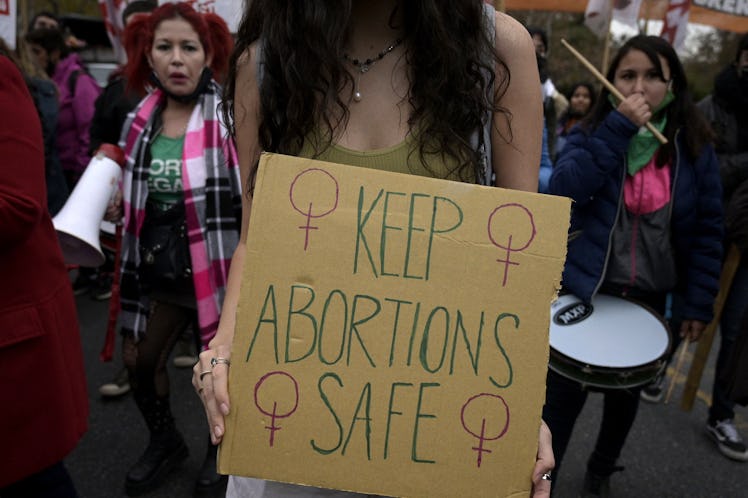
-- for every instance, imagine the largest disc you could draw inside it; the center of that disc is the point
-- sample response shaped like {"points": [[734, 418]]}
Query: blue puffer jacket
{"points": [[591, 170]]}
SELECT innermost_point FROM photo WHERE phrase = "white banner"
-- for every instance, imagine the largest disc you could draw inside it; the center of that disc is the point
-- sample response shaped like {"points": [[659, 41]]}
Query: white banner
{"points": [[730, 7], [728, 15], [230, 10], [675, 23], [111, 12], [598, 13], [627, 11], [8, 22], [597, 16]]}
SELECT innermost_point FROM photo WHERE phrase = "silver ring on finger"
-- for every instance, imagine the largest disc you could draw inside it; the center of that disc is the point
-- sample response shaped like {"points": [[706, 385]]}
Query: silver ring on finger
{"points": [[204, 373], [219, 360]]}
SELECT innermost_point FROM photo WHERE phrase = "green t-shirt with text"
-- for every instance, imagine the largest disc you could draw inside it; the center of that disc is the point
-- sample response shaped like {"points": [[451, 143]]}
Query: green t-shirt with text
{"points": [[165, 173]]}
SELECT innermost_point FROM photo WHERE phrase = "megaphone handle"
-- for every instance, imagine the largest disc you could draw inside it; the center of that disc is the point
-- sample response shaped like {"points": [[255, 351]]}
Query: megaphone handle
{"points": [[108, 349]]}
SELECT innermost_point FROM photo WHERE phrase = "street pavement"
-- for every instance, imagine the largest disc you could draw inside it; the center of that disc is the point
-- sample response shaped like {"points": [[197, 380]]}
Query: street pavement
{"points": [[667, 454]]}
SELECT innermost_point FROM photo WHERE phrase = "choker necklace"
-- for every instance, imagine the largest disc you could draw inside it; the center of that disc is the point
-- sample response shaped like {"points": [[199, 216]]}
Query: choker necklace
{"points": [[364, 66]]}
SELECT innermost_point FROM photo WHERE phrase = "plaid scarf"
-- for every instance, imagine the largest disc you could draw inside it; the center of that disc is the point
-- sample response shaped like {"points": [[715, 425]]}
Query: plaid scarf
{"points": [[212, 197]]}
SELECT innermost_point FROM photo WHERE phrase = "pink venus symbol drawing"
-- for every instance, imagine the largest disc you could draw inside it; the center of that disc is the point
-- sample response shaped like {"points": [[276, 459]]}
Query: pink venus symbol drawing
{"points": [[287, 383], [490, 409], [520, 219], [314, 193]]}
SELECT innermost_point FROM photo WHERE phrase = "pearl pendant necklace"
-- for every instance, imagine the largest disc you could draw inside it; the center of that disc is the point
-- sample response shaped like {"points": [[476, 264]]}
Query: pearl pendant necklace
{"points": [[364, 66], [357, 89]]}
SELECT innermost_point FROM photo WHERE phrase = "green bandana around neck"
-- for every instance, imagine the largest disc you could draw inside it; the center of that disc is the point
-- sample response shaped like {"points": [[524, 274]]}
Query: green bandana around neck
{"points": [[644, 144]]}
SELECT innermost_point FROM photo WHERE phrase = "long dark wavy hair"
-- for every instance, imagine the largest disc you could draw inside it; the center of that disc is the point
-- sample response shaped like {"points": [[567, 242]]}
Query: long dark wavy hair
{"points": [[451, 61], [682, 113]]}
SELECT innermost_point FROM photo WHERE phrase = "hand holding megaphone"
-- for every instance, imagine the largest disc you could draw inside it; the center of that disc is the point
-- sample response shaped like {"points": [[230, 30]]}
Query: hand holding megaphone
{"points": [[78, 222], [114, 211]]}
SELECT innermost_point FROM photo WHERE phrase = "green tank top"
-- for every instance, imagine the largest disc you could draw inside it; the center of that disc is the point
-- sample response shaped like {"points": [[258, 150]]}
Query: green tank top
{"points": [[401, 158]]}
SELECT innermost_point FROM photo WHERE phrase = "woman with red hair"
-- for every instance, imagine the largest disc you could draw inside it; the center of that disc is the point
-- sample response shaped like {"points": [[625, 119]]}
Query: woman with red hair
{"points": [[181, 202]]}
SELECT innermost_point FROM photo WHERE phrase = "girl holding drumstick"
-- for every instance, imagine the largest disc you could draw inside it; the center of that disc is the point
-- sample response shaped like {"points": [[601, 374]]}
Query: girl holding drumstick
{"points": [[647, 220]]}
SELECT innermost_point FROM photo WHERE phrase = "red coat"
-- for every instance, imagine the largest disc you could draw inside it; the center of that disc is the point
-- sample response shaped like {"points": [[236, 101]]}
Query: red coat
{"points": [[42, 383]]}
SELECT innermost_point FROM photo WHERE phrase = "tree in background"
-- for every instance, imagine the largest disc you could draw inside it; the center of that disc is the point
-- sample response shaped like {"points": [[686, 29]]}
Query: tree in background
{"points": [[711, 52]]}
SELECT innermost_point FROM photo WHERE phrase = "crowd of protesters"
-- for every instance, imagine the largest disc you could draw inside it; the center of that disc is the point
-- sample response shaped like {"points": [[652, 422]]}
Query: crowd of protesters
{"points": [[631, 191]]}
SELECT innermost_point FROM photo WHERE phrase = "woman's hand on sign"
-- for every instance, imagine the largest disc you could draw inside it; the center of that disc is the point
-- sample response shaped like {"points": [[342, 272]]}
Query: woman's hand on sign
{"points": [[210, 378], [541, 486]]}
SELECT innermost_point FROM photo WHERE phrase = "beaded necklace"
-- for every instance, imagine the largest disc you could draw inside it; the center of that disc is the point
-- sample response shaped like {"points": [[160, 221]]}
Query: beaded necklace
{"points": [[364, 66]]}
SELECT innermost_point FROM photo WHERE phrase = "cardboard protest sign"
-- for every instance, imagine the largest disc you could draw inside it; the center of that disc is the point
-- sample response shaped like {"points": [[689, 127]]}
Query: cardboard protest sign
{"points": [[392, 332]]}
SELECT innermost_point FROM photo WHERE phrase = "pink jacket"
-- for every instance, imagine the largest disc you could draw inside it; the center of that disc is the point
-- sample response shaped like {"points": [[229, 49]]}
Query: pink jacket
{"points": [[76, 112]]}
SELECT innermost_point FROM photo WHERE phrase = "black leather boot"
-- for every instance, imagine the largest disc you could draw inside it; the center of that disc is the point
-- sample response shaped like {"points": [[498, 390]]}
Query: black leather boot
{"points": [[165, 450], [595, 486], [209, 480], [164, 453]]}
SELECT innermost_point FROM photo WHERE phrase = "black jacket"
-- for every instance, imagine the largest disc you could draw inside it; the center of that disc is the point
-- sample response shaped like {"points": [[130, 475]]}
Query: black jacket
{"points": [[112, 108]]}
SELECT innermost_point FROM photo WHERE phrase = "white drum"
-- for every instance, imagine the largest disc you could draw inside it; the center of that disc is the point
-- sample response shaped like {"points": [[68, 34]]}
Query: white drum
{"points": [[611, 343]]}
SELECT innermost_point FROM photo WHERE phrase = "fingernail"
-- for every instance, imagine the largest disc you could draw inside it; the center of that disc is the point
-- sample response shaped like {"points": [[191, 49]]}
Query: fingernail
{"points": [[218, 431], [224, 409]]}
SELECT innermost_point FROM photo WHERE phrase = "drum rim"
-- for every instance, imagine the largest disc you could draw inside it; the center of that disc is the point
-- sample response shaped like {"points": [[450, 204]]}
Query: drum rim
{"points": [[602, 368], [592, 382], [637, 376]]}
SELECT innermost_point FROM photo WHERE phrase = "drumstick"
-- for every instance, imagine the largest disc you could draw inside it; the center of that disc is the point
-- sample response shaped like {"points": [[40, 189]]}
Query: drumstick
{"points": [[678, 365], [611, 88]]}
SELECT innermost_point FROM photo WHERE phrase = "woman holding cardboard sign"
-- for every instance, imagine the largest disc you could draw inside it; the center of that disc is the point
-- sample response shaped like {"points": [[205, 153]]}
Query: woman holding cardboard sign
{"points": [[647, 221], [436, 89]]}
